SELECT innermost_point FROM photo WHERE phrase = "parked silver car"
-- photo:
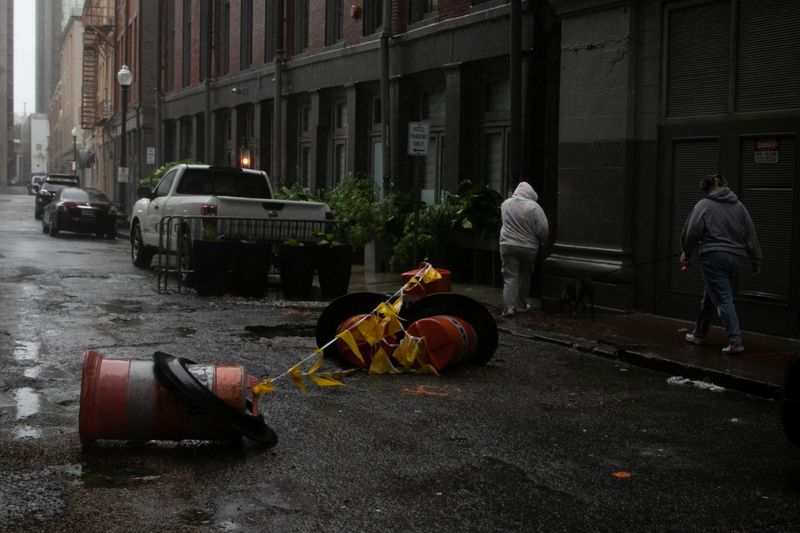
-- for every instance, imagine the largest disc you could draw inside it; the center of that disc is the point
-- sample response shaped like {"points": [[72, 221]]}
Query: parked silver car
{"points": [[35, 183]]}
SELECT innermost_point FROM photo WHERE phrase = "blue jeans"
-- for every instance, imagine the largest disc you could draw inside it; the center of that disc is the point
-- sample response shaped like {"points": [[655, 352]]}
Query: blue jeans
{"points": [[720, 274], [518, 264]]}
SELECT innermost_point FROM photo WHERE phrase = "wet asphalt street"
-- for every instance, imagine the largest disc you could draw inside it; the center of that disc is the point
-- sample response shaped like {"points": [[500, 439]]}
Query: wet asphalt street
{"points": [[542, 438]]}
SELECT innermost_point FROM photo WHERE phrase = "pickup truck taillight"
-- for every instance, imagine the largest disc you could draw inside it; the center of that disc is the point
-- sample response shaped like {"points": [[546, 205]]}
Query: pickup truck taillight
{"points": [[208, 209]]}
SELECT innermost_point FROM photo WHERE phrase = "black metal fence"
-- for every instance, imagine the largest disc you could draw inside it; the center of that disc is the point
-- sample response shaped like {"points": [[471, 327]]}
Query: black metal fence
{"points": [[177, 235]]}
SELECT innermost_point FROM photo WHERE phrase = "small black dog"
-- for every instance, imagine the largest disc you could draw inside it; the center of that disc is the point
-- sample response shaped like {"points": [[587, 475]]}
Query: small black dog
{"points": [[575, 295]]}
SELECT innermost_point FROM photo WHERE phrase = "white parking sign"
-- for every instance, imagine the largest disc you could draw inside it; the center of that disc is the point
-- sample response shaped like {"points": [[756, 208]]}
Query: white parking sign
{"points": [[418, 138]]}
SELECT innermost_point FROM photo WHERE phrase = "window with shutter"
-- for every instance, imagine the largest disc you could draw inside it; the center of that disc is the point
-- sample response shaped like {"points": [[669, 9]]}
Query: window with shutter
{"points": [[698, 59], [768, 55]]}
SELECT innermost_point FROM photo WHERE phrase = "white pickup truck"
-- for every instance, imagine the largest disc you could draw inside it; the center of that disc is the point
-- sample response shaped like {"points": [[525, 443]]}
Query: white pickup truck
{"points": [[237, 202]]}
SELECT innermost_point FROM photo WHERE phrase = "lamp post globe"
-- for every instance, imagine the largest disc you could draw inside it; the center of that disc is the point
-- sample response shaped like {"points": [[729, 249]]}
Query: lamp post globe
{"points": [[124, 76]]}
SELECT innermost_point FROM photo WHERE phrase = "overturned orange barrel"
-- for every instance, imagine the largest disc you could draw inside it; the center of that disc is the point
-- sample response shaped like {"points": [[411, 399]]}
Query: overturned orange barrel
{"points": [[448, 340], [442, 284], [366, 349], [153, 400]]}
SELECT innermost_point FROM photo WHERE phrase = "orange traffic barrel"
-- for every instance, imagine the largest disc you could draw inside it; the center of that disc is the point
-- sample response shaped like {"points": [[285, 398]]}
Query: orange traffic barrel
{"points": [[442, 284], [166, 399], [367, 350], [364, 347], [340, 315], [468, 311], [448, 340]]}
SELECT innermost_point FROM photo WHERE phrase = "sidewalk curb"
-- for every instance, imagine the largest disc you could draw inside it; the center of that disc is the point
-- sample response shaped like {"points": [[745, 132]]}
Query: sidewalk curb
{"points": [[655, 362]]}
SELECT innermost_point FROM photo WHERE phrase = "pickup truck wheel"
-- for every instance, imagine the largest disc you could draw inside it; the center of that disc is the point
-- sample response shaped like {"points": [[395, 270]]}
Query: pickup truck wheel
{"points": [[140, 255]]}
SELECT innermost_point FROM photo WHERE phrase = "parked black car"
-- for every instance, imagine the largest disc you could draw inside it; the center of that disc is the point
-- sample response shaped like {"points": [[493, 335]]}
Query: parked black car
{"points": [[51, 184], [80, 211]]}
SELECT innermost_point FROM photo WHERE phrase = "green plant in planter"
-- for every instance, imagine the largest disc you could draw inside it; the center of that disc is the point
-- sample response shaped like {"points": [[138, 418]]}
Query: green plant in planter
{"points": [[479, 210], [353, 201], [296, 263], [297, 192], [326, 239], [393, 211], [436, 233], [152, 180]]}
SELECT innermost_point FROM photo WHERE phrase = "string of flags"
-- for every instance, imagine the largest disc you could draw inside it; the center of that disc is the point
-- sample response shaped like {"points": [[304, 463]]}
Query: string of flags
{"points": [[375, 333]]}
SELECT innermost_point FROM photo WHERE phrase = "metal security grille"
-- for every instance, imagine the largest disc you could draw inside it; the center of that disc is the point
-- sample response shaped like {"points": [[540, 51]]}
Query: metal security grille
{"points": [[766, 189], [178, 233], [691, 160], [768, 55], [698, 60]]}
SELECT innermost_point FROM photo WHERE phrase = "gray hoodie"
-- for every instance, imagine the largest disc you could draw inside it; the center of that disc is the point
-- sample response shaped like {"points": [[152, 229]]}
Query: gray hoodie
{"points": [[524, 221], [720, 222]]}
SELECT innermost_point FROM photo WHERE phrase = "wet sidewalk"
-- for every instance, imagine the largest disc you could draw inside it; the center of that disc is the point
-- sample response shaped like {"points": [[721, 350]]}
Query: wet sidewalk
{"points": [[640, 339]]}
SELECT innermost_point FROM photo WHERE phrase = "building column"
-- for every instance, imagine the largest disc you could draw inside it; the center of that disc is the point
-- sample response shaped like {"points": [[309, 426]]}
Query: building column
{"points": [[596, 189], [254, 143], [233, 143], [397, 142], [352, 117], [195, 130], [317, 178], [215, 137], [451, 175]]}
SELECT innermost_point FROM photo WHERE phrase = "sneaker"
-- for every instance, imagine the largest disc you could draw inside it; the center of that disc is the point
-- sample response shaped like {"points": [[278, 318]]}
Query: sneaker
{"points": [[733, 348], [508, 312], [695, 339], [525, 309]]}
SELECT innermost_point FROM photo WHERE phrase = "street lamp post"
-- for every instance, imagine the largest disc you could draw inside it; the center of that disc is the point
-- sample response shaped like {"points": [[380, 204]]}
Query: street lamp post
{"points": [[125, 77], [75, 148]]}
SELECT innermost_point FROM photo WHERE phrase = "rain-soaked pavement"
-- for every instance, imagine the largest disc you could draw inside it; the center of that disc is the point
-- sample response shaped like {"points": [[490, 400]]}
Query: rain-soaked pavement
{"points": [[542, 438]]}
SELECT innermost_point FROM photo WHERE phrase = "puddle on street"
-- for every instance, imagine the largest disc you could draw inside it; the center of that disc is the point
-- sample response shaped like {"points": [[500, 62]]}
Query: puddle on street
{"points": [[28, 402], [282, 330], [122, 307], [26, 351], [114, 476], [195, 517], [186, 332], [27, 432]]}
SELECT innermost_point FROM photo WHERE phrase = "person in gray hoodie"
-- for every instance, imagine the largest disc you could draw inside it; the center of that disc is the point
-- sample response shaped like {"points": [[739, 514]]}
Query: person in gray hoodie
{"points": [[524, 229], [721, 233]]}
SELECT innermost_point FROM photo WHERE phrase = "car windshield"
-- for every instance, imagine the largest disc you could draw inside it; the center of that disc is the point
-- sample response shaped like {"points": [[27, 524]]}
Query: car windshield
{"points": [[52, 187]]}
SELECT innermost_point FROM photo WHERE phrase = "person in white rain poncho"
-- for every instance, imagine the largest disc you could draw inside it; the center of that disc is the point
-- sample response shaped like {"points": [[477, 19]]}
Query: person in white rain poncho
{"points": [[524, 229]]}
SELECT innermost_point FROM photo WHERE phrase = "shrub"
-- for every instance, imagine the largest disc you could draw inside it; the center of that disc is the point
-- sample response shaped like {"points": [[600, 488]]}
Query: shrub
{"points": [[297, 192], [151, 180], [353, 201]]}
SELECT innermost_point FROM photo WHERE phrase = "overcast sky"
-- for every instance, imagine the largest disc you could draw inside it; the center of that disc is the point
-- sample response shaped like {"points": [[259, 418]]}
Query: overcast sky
{"points": [[24, 56]]}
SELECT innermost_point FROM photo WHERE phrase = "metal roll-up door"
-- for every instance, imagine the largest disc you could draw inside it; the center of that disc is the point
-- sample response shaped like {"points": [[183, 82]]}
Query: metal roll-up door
{"points": [[766, 189], [691, 160], [698, 59], [768, 55]]}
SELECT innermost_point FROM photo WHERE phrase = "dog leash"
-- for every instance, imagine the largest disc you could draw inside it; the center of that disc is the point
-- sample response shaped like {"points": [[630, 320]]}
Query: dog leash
{"points": [[643, 263]]}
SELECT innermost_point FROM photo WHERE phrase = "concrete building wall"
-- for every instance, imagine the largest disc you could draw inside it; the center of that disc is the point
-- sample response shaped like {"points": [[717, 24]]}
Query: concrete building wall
{"points": [[7, 149]]}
